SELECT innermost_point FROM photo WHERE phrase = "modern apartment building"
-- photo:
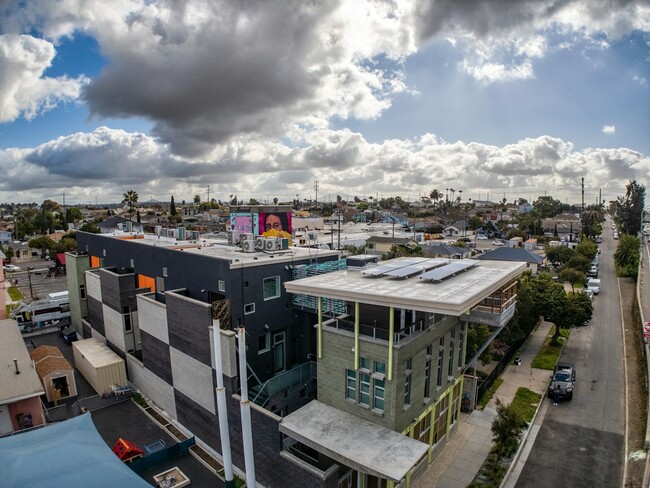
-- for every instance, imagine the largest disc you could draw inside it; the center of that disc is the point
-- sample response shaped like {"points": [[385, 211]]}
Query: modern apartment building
{"points": [[388, 341]]}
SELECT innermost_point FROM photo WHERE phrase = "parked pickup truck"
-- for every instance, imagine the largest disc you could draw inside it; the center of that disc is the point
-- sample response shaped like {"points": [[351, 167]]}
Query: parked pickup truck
{"points": [[593, 284], [562, 382]]}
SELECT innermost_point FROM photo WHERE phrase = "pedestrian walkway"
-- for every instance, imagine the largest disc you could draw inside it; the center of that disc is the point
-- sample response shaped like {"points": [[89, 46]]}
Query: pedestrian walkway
{"points": [[457, 464]]}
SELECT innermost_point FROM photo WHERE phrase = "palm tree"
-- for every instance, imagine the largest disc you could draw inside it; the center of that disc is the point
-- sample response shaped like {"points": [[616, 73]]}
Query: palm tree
{"points": [[589, 218], [435, 196], [130, 198]]}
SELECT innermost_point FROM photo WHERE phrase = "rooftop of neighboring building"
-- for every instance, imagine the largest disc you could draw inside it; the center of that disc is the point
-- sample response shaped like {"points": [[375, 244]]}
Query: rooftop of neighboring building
{"points": [[512, 254], [14, 357]]}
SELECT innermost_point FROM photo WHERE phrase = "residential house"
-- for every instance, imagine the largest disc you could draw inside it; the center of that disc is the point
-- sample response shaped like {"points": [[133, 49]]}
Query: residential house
{"points": [[383, 245], [515, 254], [20, 388]]}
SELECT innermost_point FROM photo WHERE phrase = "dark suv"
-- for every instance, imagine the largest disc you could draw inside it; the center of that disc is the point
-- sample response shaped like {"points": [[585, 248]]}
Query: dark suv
{"points": [[562, 382]]}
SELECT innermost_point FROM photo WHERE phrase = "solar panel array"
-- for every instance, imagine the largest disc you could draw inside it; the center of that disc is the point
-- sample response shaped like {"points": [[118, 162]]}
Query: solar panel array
{"points": [[383, 269], [452, 269], [416, 268]]}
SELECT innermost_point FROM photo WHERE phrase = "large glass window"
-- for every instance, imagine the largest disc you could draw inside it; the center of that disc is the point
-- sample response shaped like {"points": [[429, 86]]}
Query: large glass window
{"points": [[422, 429], [440, 427], [380, 367], [271, 288], [364, 363]]}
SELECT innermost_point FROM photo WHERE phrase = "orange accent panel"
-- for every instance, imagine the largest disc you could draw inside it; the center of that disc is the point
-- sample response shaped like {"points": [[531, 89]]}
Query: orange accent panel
{"points": [[146, 282], [94, 262]]}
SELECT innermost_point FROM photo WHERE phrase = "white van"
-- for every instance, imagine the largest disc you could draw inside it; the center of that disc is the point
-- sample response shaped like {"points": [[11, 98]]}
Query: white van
{"points": [[593, 285]]}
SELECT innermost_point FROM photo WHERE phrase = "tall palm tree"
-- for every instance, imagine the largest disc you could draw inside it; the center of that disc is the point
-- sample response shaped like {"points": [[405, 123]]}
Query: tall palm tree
{"points": [[435, 196], [131, 199]]}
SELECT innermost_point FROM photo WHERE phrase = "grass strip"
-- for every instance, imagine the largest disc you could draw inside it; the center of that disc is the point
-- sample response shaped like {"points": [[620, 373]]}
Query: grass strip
{"points": [[549, 353]]}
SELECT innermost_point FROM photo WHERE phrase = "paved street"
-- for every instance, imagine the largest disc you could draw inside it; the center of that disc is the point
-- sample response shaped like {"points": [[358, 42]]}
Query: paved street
{"points": [[41, 285], [581, 442]]}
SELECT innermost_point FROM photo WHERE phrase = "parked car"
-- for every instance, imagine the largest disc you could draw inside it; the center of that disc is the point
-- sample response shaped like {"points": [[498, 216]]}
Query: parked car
{"points": [[497, 242], [11, 268], [482, 237], [562, 382]]}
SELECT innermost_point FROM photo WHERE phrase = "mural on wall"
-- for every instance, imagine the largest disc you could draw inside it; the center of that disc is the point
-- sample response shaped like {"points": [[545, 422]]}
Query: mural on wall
{"points": [[275, 224], [244, 223]]}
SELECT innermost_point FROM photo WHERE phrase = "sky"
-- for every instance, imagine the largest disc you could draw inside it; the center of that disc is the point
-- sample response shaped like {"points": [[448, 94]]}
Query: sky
{"points": [[262, 99]]}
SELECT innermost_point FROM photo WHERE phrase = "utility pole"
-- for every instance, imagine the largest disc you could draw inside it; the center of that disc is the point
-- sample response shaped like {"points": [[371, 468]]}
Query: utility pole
{"points": [[582, 184], [29, 277], [316, 189], [208, 193]]}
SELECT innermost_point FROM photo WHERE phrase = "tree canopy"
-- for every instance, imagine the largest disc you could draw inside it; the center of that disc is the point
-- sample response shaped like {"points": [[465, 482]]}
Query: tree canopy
{"points": [[628, 209]]}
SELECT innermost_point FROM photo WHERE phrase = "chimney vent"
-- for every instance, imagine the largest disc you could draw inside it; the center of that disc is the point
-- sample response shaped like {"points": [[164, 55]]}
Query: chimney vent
{"points": [[16, 365]]}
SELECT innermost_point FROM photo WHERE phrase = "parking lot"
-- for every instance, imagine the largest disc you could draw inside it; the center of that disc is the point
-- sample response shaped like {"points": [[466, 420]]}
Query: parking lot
{"points": [[41, 284]]}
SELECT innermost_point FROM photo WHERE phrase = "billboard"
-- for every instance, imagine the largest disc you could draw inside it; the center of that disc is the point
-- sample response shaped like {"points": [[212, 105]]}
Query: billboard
{"points": [[272, 224], [244, 223]]}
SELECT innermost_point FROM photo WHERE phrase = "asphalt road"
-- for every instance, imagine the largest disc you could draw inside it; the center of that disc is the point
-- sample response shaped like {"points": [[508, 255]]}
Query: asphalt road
{"points": [[581, 442]]}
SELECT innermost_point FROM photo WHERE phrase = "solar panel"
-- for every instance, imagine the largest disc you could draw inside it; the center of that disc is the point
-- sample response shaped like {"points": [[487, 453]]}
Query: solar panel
{"points": [[449, 270], [417, 268], [384, 268]]}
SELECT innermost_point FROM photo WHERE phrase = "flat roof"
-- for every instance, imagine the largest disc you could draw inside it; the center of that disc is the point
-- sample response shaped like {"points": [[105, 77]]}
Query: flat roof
{"points": [[15, 387], [355, 442], [96, 352], [454, 295], [220, 249]]}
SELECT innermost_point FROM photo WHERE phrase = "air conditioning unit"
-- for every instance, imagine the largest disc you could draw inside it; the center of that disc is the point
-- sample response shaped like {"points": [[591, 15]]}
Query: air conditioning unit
{"points": [[248, 246], [269, 244], [283, 243], [247, 236], [259, 242], [233, 237]]}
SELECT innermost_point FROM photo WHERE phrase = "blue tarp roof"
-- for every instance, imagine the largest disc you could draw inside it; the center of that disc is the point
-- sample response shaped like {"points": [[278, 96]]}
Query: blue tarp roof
{"points": [[70, 454]]}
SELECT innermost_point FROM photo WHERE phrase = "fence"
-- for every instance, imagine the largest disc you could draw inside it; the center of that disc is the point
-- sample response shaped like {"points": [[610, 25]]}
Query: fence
{"points": [[500, 367], [159, 457], [97, 402]]}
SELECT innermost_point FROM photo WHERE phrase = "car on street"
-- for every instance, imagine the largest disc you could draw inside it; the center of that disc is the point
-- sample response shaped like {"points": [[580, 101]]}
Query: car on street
{"points": [[11, 268], [497, 242], [562, 382], [482, 237]]}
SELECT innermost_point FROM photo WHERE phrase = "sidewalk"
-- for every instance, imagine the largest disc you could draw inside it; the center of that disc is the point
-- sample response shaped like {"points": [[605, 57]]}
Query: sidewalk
{"points": [[462, 457]]}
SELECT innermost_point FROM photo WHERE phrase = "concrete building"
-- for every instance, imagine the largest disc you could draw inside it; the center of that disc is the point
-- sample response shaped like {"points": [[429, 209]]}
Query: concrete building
{"points": [[390, 349], [395, 358]]}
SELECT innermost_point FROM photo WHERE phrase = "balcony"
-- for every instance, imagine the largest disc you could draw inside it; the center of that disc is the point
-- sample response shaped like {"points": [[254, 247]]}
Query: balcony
{"points": [[497, 309], [378, 332]]}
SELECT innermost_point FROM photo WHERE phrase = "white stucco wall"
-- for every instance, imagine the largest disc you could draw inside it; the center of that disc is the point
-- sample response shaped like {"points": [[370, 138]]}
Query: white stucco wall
{"points": [[114, 326], [193, 379]]}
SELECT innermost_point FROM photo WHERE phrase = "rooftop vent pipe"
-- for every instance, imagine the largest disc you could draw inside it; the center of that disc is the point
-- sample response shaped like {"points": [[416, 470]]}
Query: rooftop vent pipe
{"points": [[16, 366]]}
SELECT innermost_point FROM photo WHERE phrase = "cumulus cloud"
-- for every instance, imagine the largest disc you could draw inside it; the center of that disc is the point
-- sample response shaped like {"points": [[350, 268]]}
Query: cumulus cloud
{"points": [[608, 130], [501, 39], [107, 162], [24, 91]]}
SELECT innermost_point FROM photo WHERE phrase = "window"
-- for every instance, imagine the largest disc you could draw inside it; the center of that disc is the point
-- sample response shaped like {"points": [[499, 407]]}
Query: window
{"points": [[364, 389], [271, 288], [460, 345], [264, 343], [427, 373], [422, 429], [127, 319], [249, 308], [380, 367], [450, 368], [132, 263], [378, 394], [440, 427], [407, 391], [441, 355], [222, 285], [164, 272], [82, 292], [351, 385], [160, 284], [364, 363]]}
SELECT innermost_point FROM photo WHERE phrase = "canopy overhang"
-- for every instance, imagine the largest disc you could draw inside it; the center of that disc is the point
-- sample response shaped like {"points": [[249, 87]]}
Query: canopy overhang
{"points": [[353, 441]]}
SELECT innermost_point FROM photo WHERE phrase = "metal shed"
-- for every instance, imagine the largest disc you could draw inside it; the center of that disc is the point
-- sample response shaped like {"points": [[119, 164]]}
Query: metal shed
{"points": [[55, 373], [99, 365]]}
